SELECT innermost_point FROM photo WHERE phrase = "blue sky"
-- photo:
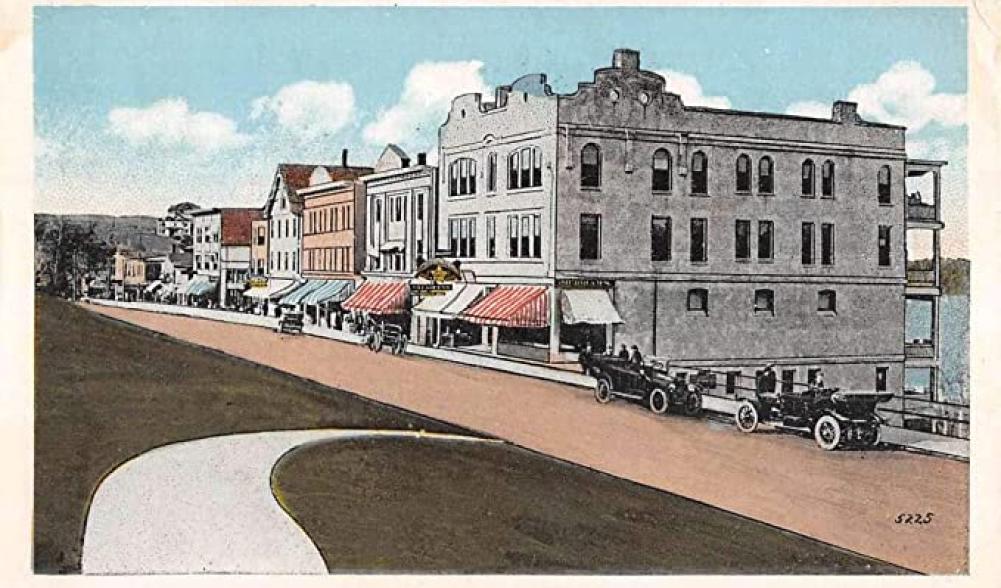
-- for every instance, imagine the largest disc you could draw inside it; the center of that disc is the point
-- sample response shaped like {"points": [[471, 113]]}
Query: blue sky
{"points": [[137, 108]]}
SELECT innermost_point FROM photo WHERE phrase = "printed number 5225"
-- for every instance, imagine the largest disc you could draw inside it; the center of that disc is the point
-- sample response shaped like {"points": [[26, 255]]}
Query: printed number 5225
{"points": [[906, 518]]}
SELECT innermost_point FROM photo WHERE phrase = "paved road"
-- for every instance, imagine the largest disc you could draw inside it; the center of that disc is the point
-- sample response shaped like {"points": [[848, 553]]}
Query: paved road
{"points": [[205, 506], [847, 498]]}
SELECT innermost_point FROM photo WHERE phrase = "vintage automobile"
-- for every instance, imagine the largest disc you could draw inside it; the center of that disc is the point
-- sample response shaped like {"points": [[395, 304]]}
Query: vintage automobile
{"points": [[650, 384], [836, 418], [383, 335]]}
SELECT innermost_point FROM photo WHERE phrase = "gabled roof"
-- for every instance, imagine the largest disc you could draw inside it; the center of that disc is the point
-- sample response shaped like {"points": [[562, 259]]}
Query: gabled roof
{"points": [[295, 176], [236, 225]]}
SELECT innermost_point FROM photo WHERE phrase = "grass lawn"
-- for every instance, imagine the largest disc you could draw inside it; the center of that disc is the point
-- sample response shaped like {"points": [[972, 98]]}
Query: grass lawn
{"points": [[106, 392], [402, 505]]}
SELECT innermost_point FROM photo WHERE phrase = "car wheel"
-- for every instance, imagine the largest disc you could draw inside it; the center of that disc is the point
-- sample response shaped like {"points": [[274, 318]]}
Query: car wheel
{"points": [[827, 432], [747, 417], [603, 391], [693, 403], [657, 401], [377, 343]]}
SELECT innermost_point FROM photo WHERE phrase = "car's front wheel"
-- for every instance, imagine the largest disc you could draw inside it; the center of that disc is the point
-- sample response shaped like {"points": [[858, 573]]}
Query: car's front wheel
{"points": [[747, 417], [827, 432], [603, 391], [657, 401]]}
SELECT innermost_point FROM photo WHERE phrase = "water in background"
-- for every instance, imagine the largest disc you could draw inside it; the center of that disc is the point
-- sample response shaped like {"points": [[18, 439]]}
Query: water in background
{"points": [[955, 341]]}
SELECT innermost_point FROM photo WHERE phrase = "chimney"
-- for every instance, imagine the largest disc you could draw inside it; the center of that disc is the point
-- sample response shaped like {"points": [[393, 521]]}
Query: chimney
{"points": [[422, 158], [845, 112], [626, 59], [344, 157], [404, 162]]}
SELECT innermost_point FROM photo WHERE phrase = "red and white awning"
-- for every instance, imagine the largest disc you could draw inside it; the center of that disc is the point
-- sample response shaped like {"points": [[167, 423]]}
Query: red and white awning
{"points": [[379, 298], [511, 306]]}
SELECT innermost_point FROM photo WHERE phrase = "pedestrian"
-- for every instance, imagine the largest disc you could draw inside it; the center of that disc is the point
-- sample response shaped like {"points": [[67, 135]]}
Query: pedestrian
{"points": [[818, 381], [623, 352], [766, 380], [635, 358]]}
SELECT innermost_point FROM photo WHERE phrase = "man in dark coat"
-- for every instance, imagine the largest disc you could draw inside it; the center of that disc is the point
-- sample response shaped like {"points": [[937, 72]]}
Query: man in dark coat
{"points": [[623, 352], [635, 358]]}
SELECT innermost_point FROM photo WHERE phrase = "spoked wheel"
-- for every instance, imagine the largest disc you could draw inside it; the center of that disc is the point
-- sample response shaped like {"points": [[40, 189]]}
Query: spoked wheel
{"points": [[827, 432], [747, 417], [693, 403], [657, 401], [603, 391]]}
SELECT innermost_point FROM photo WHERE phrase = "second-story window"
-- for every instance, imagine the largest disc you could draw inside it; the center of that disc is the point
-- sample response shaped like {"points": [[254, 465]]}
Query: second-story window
{"points": [[462, 177], [524, 168], [697, 247], [660, 238], [766, 176], [700, 173], [827, 179], [590, 236], [884, 245], [808, 181], [766, 240], [661, 170], [826, 244], [590, 166], [492, 172], [743, 174], [742, 239], [883, 180], [491, 236], [260, 235], [807, 248], [462, 236]]}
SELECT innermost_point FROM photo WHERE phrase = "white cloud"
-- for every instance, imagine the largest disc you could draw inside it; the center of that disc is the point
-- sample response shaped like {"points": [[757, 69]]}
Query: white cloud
{"points": [[48, 148], [688, 87], [171, 122], [427, 95], [308, 109], [810, 108], [903, 95]]}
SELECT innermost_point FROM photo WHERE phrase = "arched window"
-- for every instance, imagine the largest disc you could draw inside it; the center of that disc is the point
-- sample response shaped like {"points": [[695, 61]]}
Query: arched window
{"points": [[462, 177], [513, 164], [884, 184], [661, 170], [827, 179], [808, 182], [590, 166], [491, 172], [766, 176], [743, 174], [524, 168], [700, 173]]}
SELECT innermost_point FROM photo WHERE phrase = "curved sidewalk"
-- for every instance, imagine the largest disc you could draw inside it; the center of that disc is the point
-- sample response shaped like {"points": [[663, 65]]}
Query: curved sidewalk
{"points": [[206, 506]]}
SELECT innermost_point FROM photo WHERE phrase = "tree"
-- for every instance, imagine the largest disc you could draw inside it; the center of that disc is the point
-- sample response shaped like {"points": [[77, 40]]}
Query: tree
{"points": [[69, 250]]}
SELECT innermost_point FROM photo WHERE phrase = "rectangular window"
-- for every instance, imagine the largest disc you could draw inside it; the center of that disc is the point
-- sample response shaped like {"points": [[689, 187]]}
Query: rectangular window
{"points": [[420, 207], [536, 167], [811, 375], [881, 379], [827, 244], [526, 167], [697, 249], [884, 245], [491, 172], [660, 238], [512, 225], [513, 163], [807, 247], [463, 239], [788, 378], [731, 383], [526, 235], [764, 301], [453, 236], [491, 236], [537, 236], [827, 301], [590, 236], [766, 240], [742, 239], [698, 300], [472, 236]]}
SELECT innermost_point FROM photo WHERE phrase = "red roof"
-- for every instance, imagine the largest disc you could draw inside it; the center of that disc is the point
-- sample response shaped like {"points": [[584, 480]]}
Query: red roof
{"points": [[379, 298], [296, 177], [511, 306], [236, 225]]}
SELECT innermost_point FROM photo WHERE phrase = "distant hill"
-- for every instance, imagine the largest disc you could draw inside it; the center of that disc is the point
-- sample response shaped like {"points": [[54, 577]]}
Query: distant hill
{"points": [[955, 274], [135, 232]]}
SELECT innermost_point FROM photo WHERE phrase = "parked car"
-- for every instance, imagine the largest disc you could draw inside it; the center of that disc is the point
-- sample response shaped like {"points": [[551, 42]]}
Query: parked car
{"points": [[650, 384], [836, 418], [390, 335]]}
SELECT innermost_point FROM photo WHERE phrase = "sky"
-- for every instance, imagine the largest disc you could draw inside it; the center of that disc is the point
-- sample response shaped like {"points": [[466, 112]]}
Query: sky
{"points": [[138, 108]]}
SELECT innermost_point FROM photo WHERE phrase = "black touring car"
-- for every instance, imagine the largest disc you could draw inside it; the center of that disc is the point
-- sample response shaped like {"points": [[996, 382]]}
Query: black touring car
{"points": [[649, 383]]}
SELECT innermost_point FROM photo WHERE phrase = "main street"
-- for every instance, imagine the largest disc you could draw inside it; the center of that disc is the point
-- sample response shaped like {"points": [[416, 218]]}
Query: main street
{"points": [[850, 499]]}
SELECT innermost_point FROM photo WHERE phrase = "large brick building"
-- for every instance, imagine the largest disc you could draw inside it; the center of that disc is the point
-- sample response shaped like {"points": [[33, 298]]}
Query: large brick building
{"points": [[724, 239]]}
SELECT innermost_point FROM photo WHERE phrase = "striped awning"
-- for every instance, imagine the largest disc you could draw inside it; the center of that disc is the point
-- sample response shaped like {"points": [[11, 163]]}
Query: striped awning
{"points": [[451, 304], [379, 298], [330, 291], [296, 295], [592, 307], [511, 306], [275, 288], [199, 286]]}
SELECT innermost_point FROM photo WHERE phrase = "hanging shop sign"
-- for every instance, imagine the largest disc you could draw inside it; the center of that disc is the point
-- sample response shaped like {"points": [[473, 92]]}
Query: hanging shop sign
{"points": [[584, 284]]}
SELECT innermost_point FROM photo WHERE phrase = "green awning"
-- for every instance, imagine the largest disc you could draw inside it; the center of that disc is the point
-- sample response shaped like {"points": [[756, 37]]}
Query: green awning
{"points": [[330, 291], [295, 296]]}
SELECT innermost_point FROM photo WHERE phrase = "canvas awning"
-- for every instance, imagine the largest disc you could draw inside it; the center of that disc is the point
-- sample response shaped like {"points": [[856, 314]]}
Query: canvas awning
{"points": [[394, 245], [296, 295], [593, 307], [330, 291], [273, 289], [511, 306], [153, 286], [451, 304], [379, 298], [199, 286]]}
